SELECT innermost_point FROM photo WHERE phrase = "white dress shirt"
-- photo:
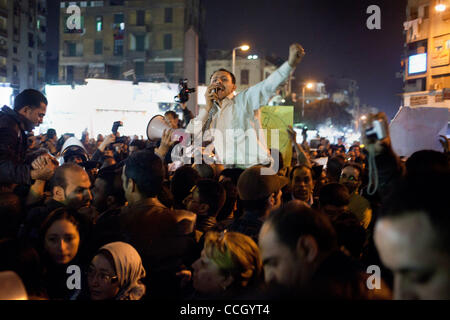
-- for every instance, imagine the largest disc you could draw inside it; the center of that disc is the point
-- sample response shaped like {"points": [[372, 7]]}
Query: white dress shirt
{"points": [[238, 138]]}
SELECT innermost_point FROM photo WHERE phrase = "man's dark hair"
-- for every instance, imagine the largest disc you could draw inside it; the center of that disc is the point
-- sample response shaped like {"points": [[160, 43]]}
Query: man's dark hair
{"points": [[212, 193], [233, 174], [231, 196], [334, 167], [172, 113], [113, 183], [140, 144], [423, 194], [147, 171], [259, 205], [29, 97], [425, 161], [204, 170], [298, 167], [350, 233], [295, 219], [59, 177], [182, 182], [334, 194], [233, 78]]}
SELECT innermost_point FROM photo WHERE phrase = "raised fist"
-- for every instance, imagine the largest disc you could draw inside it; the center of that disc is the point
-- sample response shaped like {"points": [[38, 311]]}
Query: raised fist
{"points": [[296, 54]]}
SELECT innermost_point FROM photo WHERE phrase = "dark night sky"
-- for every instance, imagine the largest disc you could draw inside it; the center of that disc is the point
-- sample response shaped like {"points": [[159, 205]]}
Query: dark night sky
{"points": [[333, 33]]}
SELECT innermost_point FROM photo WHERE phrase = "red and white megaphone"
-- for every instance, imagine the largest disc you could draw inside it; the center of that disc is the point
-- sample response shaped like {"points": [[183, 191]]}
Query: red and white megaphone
{"points": [[158, 124]]}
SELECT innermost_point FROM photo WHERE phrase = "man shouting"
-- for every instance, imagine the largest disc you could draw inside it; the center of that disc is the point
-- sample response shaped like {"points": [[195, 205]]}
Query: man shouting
{"points": [[232, 122]]}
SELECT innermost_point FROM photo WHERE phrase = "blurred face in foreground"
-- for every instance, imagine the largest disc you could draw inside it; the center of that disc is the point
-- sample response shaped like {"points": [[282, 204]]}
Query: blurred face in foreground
{"points": [[282, 266], [408, 246]]}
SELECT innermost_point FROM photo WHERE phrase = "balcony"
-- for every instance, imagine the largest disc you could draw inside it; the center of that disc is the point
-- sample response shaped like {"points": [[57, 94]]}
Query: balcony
{"points": [[420, 33], [133, 54]]}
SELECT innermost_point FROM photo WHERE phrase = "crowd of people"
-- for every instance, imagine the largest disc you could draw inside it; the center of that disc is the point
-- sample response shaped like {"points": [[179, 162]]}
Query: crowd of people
{"points": [[112, 219]]}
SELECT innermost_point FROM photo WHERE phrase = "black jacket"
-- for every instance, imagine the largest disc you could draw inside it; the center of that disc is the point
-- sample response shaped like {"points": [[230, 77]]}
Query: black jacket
{"points": [[13, 147]]}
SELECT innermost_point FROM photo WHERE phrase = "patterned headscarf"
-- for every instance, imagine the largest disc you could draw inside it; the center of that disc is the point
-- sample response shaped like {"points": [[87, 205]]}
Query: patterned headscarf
{"points": [[129, 269]]}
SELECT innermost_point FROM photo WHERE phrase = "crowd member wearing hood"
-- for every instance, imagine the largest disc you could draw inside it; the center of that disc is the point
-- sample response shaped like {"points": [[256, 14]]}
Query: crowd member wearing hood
{"points": [[115, 273], [29, 110]]}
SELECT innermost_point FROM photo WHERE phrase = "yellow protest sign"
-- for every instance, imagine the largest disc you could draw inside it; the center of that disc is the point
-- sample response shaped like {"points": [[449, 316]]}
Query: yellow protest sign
{"points": [[278, 117]]}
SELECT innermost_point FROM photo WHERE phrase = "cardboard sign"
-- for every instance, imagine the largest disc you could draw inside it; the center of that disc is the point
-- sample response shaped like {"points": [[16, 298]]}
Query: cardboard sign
{"points": [[278, 117], [414, 129]]}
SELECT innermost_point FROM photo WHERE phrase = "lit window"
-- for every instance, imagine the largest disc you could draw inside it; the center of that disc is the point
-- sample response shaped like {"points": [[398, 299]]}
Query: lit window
{"points": [[99, 23]]}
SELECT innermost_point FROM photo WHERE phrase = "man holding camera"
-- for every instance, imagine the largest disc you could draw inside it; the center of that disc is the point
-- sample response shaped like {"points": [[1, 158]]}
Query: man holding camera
{"points": [[225, 111]]}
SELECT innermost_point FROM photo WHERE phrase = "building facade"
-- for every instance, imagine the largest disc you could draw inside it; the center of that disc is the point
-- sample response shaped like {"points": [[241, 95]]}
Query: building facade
{"points": [[426, 61], [249, 68], [135, 40], [23, 27]]}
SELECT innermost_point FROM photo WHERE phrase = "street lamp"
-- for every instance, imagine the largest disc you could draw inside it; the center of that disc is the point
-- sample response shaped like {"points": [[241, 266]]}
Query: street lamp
{"points": [[243, 48], [308, 85], [440, 7]]}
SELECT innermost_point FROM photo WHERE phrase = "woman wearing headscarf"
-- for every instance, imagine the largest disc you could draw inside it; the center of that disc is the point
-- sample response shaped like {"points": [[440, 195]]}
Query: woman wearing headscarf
{"points": [[115, 273]]}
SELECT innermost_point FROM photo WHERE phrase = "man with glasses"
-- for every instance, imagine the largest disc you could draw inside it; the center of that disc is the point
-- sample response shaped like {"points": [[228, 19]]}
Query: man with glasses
{"points": [[351, 177]]}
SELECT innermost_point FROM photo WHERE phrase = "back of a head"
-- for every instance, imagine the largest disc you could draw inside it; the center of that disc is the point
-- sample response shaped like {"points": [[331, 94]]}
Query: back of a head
{"points": [[426, 161], [182, 182], [113, 183], [29, 97], [212, 193], [231, 196], [334, 194], [204, 170], [139, 144], [334, 167], [147, 171], [295, 219], [232, 174]]}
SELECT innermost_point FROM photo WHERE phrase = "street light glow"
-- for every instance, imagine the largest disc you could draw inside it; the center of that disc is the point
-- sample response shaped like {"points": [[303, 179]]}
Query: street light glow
{"points": [[309, 85], [440, 7], [244, 47]]}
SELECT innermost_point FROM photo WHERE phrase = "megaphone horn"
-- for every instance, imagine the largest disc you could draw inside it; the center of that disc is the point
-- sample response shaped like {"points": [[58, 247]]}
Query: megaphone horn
{"points": [[156, 127]]}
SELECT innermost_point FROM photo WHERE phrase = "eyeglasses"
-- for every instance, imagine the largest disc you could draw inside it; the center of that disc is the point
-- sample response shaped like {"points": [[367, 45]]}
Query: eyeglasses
{"points": [[102, 277], [350, 178]]}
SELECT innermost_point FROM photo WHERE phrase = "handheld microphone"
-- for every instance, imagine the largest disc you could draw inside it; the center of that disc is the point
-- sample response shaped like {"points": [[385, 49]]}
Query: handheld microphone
{"points": [[216, 103]]}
